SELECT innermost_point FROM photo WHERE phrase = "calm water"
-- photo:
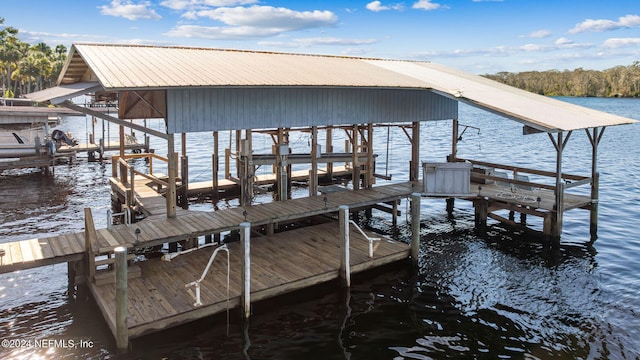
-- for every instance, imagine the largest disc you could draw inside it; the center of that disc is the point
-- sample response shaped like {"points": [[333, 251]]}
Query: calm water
{"points": [[500, 295]]}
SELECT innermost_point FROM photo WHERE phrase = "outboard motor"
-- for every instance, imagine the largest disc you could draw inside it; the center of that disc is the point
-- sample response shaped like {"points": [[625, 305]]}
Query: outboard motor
{"points": [[61, 137]]}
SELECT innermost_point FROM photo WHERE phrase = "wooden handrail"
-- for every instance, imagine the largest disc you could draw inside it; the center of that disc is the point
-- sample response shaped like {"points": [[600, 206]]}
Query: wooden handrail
{"points": [[152, 178]]}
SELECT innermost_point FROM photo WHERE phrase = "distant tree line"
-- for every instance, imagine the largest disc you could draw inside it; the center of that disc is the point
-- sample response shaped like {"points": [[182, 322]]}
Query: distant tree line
{"points": [[25, 68], [619, 81]]}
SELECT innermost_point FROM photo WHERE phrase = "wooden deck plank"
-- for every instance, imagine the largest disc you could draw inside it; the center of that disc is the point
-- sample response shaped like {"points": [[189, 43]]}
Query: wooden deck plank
{"points": [[274, 271], [6, 259], [16, 252], [25, 250], [45, 248]]}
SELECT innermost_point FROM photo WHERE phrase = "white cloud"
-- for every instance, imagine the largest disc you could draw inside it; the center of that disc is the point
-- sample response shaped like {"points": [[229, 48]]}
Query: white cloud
{"points": [[201, 4], [600, 25], [615, 43], [318, 41], [376, 6], [563, 41], [426, 5], [539, 34], [221, 33], [130, 10], [242, 22], [270, 17]]}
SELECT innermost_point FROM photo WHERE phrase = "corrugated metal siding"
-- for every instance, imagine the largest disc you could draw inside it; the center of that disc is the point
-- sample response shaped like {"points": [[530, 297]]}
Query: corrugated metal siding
{"points": [[213, 109]]}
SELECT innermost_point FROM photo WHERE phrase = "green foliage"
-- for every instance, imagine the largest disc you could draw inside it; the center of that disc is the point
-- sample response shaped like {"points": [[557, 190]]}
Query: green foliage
{"points": [[619, 81], [24, 67]]}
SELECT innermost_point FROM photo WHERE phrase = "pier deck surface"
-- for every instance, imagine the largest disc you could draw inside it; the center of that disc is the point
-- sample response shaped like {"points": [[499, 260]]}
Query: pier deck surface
{"points": [[157, 229], [25, 254], [280, 263]]}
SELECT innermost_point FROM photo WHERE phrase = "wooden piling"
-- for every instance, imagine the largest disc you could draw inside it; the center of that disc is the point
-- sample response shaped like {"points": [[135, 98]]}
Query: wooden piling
{"points": [[345, 269], [215, 166], [414, 171], [245, 241], [122, 330], [313, 173], [329, 149], [90, 238], [481, 207], [171, 173], [415, 227]]}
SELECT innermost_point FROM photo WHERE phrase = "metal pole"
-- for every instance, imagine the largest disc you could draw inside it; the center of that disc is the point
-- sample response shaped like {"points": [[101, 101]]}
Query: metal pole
{"points": [[345, 269], [559, 187], [245, 241]]}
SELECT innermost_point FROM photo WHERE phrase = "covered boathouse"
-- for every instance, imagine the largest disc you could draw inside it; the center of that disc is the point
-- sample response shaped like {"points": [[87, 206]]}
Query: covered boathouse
{"points": [[213, 90]]}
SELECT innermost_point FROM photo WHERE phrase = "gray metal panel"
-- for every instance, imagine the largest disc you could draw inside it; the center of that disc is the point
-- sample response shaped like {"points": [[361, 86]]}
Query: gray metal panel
{"points": [[213, 109]]}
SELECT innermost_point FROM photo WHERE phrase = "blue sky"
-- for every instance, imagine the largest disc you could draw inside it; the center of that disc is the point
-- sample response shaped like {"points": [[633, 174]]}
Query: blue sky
{"points": [[479, 36]]}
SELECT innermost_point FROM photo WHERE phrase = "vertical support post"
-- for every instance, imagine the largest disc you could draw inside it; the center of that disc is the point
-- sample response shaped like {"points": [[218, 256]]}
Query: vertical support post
{"points": [[313, 173], [415, 227], [394, 216], [227, 164], [559, 201], [245, 242], [282, 152], [89, 240], [454, 141], [329, 149], [355, 165], [171, 170], [593, 218], [370, 167], [215, 165], [345, 268], [414, 171], [238, 136], [595, 181], [122, 303], [71, 278], [481, 207], [121, 141], [185, 181]]}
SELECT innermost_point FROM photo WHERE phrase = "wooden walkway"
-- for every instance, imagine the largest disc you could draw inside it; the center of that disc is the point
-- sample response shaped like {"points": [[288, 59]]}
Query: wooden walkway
{"points": [[280, 263], [26, 254]]}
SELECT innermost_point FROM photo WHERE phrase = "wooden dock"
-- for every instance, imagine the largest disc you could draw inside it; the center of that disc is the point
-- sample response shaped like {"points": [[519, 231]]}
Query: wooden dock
{"points": [[280, 263], [157, 230]]}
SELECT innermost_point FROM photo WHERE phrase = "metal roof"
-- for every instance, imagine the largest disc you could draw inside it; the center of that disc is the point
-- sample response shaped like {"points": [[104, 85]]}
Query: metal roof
{"points": [[119, 67], [60, 93], [540, 112], [137, 67]]}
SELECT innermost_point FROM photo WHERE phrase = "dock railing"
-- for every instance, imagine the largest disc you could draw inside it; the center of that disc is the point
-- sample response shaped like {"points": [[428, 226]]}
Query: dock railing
{"points": [[126, 173], [571, 181]]}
